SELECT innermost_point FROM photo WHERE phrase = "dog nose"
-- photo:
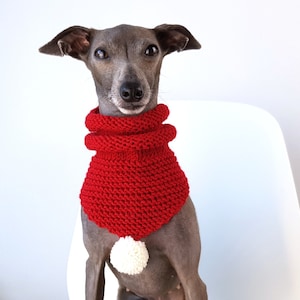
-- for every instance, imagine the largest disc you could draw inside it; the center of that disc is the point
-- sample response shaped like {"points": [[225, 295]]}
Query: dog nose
{"points": [[131, 92]]}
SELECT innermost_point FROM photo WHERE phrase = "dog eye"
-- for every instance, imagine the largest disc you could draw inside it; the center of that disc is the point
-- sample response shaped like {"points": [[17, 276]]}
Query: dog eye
{"points": [[101, 54], [151, 50]]}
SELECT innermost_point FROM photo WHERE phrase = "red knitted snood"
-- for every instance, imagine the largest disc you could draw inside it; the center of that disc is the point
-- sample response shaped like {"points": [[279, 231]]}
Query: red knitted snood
{"points": [[134, 184]]}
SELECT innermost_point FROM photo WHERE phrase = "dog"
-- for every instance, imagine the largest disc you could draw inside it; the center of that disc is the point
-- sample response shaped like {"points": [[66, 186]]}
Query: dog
{"points": [[125, 63]]}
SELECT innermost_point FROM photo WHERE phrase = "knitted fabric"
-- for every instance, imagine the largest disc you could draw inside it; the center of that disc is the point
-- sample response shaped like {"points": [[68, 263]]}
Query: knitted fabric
{"points": [[134, 184]]}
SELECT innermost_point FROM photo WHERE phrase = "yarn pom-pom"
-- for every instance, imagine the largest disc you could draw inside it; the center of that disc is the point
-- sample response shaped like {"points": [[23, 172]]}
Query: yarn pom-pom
{"points": [[129, 256]]}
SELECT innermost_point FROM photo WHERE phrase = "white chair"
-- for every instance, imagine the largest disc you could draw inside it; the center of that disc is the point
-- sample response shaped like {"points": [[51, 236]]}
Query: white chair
{"points": [[242, 186]]}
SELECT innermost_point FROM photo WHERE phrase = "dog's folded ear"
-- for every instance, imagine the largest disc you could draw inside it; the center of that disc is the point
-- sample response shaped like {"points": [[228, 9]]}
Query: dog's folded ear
{"points": [[175, 38], [73, 41]]}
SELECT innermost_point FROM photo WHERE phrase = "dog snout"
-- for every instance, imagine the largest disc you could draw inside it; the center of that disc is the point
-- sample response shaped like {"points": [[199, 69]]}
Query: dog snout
{"points": [[131, 92]]}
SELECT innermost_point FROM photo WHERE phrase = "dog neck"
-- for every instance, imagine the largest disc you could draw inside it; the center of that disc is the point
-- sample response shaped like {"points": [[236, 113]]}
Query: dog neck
{"points": [[134, 184]]}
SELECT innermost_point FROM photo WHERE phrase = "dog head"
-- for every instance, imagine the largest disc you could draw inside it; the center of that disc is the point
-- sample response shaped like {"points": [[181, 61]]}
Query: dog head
{"points": [[125, 61]]}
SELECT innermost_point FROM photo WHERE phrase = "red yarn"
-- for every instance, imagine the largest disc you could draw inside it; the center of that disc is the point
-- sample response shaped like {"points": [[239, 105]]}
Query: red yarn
{"points": [[134, 184]]}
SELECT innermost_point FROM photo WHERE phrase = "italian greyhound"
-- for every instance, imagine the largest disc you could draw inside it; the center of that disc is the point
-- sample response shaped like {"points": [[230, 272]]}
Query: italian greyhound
{"points": [[125, 63]]}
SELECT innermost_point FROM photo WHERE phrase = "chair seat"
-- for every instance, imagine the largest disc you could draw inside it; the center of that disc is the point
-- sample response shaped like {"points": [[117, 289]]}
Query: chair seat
{"points": [[242, 186]]}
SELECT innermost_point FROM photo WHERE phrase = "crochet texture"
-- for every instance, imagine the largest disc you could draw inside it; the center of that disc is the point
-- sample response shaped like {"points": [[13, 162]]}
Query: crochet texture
{"points": [[134, 184]]}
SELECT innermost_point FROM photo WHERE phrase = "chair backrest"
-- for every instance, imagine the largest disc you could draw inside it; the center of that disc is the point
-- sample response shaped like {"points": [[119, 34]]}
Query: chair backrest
{"points": [[242, 186]]}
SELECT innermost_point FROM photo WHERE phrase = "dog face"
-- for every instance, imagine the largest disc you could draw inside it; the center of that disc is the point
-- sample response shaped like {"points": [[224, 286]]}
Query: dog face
{"points": [[125, 68], [125, 61]]}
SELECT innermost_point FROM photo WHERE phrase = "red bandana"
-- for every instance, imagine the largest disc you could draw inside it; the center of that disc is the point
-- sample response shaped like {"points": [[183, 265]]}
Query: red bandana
{"points": [[134, 184]]}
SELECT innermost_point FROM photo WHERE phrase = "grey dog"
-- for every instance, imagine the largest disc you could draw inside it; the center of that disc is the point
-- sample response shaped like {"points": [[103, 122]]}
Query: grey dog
{"points": [[125, 62]]}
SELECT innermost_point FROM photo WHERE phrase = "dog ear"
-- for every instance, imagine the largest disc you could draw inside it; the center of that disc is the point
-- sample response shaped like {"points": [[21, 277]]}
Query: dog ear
{"points": [[73, 41], [175, 38]]}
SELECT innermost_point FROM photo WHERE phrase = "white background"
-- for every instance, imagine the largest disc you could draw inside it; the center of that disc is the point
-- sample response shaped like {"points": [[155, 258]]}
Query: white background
{"points": [[250, 53]]}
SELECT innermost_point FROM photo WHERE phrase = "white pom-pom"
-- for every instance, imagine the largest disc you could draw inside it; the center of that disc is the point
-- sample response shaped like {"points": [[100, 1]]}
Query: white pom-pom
{"points": [[129, 256]]}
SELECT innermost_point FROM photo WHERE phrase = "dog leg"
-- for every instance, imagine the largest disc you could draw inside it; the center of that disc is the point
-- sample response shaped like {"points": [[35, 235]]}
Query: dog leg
{"points": [[124, 294], [193, 286], [98, 243], [94, 286], [184, 252], [191, 283]]}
